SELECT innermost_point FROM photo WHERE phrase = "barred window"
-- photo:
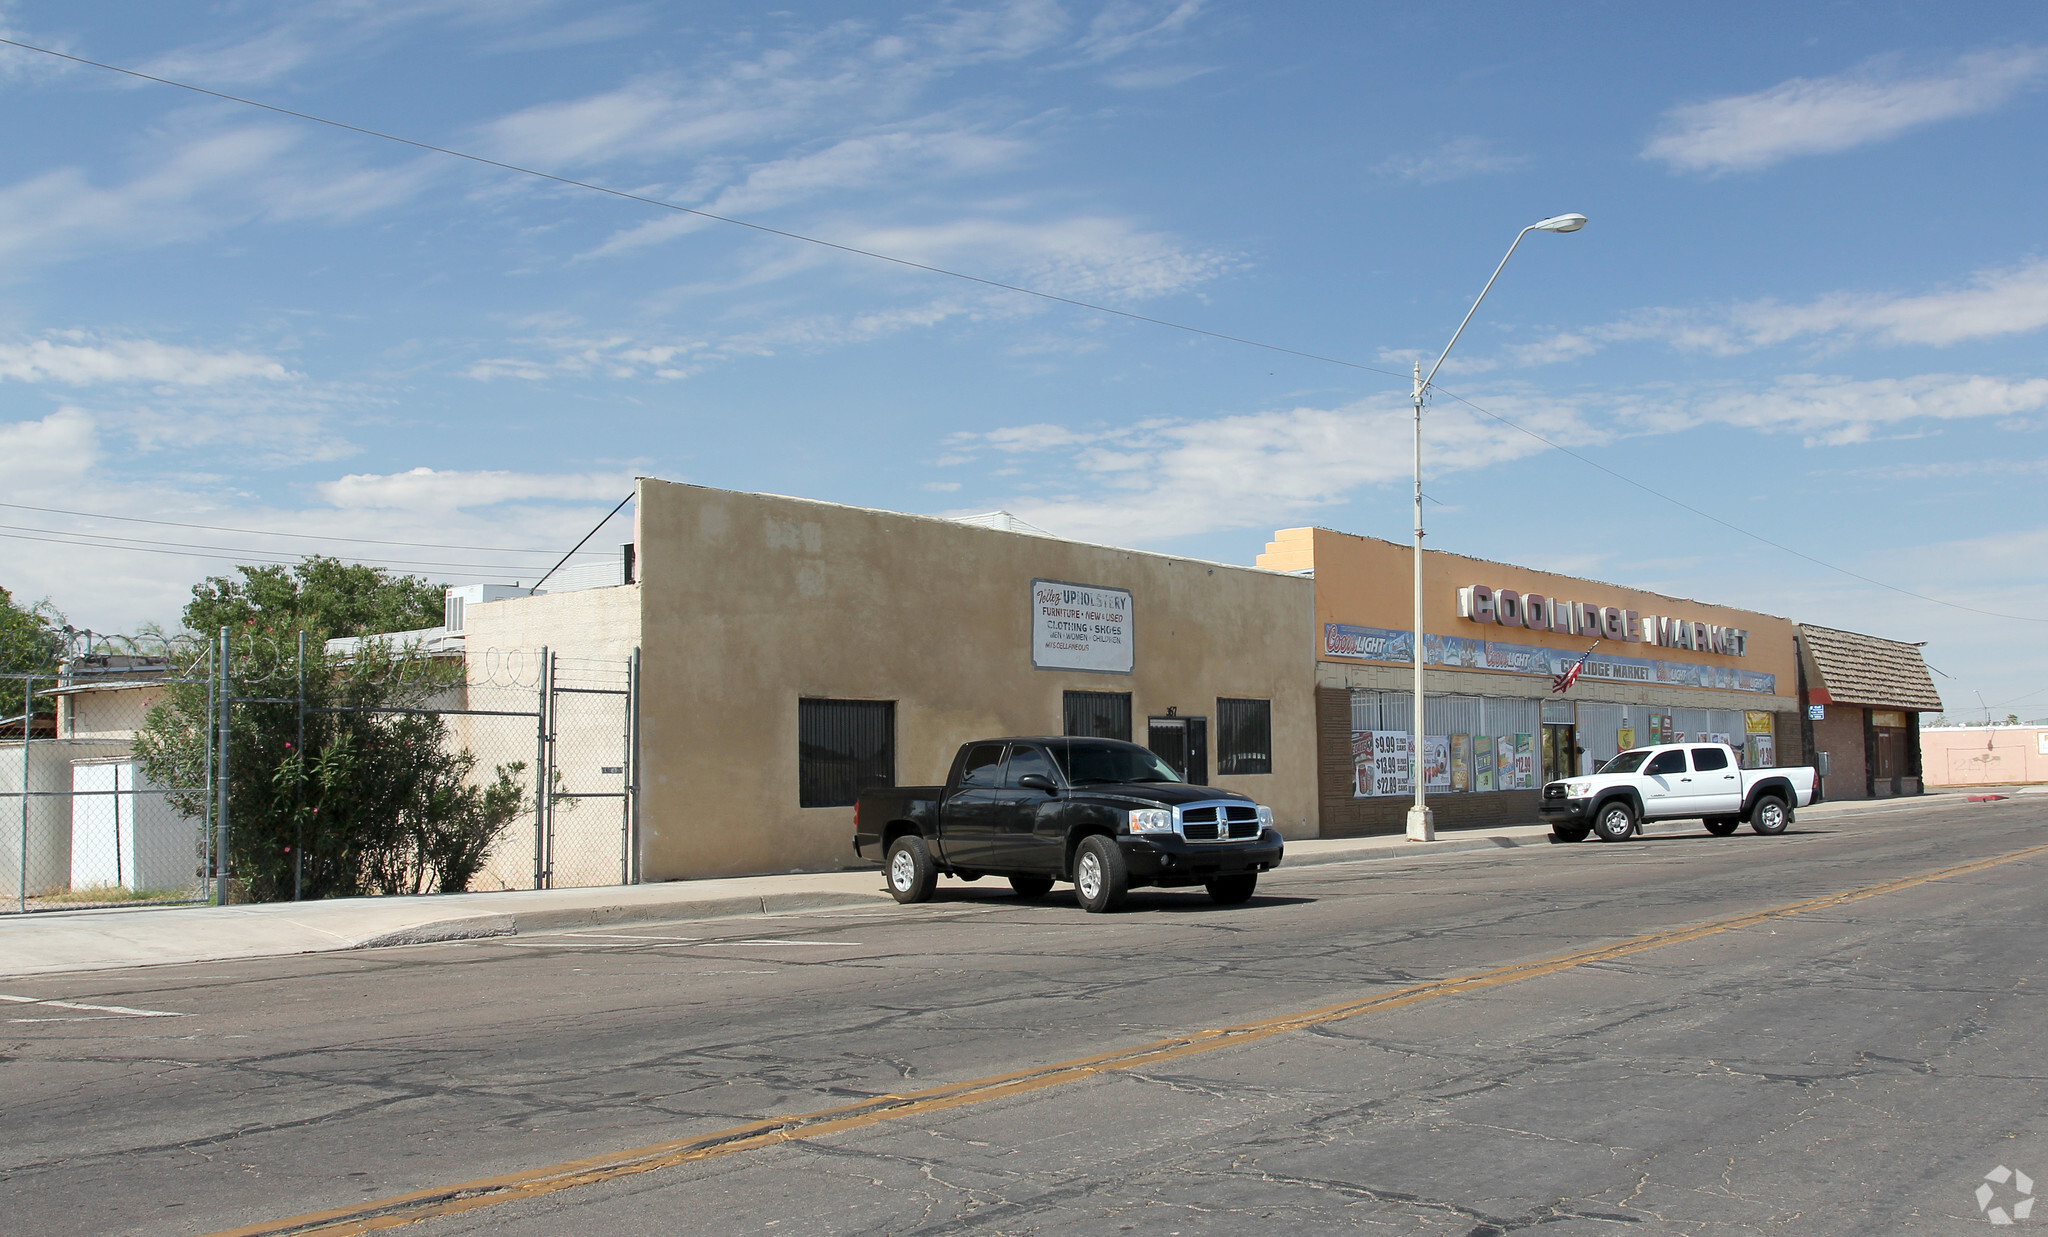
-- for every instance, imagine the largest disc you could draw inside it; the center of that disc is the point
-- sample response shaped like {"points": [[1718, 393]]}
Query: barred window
{"points": [[1097, 715], [1244, 736], [843, 748]]}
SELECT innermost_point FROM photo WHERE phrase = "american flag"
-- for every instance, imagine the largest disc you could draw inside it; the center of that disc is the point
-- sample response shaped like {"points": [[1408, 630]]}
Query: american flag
{"points": [[1571, 672]]}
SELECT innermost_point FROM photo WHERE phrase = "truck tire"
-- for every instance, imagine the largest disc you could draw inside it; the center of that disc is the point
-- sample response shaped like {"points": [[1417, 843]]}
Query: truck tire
{"points": [[1769, 816], [1100, 877], [1721, 826], [1234, 889], [1570, 833], [1031, 886], [1615, 821], [912, 874]]}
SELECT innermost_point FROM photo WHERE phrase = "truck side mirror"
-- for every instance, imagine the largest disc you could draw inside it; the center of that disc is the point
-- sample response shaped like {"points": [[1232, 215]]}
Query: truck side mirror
{"points": [[1039, 781]]}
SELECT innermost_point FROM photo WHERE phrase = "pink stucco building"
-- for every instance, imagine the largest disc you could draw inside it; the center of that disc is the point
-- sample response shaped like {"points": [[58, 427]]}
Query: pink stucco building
{"points": [[1984, 755]]}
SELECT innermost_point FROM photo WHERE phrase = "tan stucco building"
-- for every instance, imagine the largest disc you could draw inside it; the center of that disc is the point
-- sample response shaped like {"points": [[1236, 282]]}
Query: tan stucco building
{"points": [[792, 651], [1495, 730]]}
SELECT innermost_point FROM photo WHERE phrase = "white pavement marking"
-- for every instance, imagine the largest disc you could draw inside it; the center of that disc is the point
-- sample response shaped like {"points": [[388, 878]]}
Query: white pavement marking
{"points": [[827, 943], [97, 1009]]}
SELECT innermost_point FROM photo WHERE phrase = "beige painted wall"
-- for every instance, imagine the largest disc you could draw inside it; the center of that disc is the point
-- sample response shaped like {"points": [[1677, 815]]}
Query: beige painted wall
{"points": [[591, 624], [752, 601]]}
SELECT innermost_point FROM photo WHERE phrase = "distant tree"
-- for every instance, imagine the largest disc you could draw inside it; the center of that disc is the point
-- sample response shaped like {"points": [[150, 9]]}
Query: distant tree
{"points": [[324, 597], [379, 800], [30, 639]]}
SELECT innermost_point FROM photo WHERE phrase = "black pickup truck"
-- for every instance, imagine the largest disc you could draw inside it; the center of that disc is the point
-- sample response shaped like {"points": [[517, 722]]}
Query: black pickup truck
{"points": [[1106, 815]]}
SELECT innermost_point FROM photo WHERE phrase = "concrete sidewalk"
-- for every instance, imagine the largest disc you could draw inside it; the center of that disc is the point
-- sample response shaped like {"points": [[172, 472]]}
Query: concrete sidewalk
{"points": [[55, 942]]}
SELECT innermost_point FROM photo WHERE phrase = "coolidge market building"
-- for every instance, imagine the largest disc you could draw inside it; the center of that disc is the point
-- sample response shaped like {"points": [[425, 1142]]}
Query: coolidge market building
{"points": [[794, 652], [1662, 669]]}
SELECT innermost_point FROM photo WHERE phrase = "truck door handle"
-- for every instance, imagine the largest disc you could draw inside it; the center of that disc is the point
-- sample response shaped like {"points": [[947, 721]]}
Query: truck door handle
{"points": [[1685, 779]]}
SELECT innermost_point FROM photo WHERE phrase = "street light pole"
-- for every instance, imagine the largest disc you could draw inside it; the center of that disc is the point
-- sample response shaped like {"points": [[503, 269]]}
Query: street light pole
{"points": [[1421, 826]]}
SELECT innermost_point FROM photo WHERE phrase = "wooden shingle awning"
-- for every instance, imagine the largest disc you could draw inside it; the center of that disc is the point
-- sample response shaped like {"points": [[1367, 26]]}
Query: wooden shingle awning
{"points": [[1853, 668]]}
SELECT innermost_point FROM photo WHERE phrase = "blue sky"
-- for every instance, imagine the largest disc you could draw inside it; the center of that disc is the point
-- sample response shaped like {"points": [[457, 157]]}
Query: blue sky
{"points": [[1811, 299]]}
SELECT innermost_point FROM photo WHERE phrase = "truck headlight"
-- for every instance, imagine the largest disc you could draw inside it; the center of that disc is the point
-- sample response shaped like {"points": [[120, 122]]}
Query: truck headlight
{"points": [[1151, 820], [1578, 790], [1265, 817]]}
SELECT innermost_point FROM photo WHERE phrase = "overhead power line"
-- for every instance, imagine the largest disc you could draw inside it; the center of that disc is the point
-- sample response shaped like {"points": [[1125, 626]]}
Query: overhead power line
{"points": [[264, 532], [231, 554], [689, 210], [875, 255]]}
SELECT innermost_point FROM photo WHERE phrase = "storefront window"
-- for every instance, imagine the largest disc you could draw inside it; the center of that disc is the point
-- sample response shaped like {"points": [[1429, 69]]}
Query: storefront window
{"points": [[1097, 715], [843, 748], [1244, 736]]}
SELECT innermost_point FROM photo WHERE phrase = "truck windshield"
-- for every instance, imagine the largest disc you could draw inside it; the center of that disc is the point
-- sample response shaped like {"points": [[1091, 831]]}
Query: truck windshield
{"points": [[1627, 762], [1100, 761]]}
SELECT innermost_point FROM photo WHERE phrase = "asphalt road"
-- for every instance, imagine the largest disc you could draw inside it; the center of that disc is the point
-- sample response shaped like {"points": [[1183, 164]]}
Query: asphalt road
{"points": [[1855, 1067]]}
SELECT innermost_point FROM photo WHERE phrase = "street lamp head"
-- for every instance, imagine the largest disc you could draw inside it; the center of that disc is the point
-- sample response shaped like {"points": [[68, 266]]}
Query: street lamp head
{"points": [[1560, 223]]}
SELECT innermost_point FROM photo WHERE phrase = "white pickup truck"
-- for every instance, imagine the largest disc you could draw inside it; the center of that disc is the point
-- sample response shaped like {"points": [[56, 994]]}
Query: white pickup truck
{"points": [[1685, 781]]}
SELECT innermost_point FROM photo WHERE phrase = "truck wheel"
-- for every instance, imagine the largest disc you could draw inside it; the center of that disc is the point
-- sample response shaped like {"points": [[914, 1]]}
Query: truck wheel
{"points": [[1721, 826], [1569, 833], [1768, 817], [1231, 890], [1100, 878], [1031, 886], [1615, 822], [912, 874]]}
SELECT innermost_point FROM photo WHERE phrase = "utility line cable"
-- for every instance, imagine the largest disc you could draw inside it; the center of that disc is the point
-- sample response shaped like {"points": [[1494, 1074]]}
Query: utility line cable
{"points": [[977, 279], [701, 214], [230, 554], [259, 532], [579, 545]]}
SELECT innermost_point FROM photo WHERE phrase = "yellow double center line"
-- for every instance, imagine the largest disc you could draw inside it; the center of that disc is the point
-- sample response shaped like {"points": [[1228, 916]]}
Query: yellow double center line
{"points": [[533, 1183]]}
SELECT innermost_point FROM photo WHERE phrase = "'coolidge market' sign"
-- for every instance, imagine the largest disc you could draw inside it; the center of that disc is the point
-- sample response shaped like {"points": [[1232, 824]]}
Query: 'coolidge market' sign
{"points": [[1504, 608]]}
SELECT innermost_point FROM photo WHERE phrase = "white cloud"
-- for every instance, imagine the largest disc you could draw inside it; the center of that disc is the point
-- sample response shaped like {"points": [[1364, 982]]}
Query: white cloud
{"points": [[71, 358], [857, 162], [1806, 116], [1992, 303], [1161, 479], [1160, 78], [1087, 256], [1834, 411], [202, 185], [426, 489], [2003, 302], [47, 456], [258, 60], [1168, 478], [1123, 25], [621, 356], [1457, 158]]}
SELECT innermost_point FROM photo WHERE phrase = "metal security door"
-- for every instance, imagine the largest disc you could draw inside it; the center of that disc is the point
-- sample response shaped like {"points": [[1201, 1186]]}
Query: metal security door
{"points": [[1183, 743]]}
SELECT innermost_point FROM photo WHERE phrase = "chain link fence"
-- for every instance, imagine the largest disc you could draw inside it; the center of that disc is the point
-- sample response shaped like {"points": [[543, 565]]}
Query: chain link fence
{"points": [[83, 821], [128, 774]]}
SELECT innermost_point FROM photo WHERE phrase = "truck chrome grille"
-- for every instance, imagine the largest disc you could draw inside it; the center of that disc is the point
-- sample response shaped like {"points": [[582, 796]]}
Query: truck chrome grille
{"points": [[1219, 822]]}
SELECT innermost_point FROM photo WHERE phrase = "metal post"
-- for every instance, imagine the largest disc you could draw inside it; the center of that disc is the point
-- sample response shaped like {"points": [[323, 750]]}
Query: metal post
{"points": [[212, 863], [220, 819], [633, 756], [540, 775], [28, 714], [1421, 827], [299, 806], [626, 766]]}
